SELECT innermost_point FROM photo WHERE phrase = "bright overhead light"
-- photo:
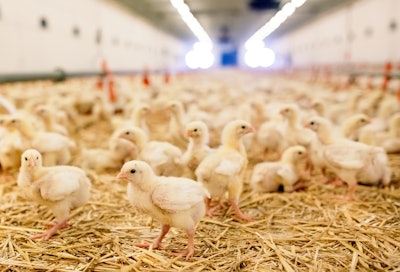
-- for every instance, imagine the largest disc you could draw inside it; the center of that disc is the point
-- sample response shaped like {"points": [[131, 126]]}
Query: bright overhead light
{"points": [[298, 3], [253, 44], [267, 57], [202, 46], [199, 57], [251, 59], [191, 21], [177, 3], [191, 60], [259, 57], [287, 10]]}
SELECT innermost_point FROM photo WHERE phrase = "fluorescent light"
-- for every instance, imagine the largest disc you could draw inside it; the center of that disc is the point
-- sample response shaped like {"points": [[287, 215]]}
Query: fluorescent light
{"points": [[253, 44], [259, 57], [177, 3], [287, 10], [199, 57], [191, 21], [267, 57], [298, 3]]}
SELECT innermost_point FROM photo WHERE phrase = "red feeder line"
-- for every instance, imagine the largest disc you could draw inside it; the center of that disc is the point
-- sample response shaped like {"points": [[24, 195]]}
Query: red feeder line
{"points": [[111, 90], [386, 76], [167, 78]]}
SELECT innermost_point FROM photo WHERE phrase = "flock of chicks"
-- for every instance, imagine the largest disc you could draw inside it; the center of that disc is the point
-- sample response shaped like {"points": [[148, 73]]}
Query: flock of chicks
{"points": [[186, 146]]}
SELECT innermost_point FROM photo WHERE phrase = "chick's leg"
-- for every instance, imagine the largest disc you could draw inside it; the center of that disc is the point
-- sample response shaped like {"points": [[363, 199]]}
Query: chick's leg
{"points": [[234, 191], [337, 181], [351, 181], [157, 242], [239, 214], [351, 192], [164, 231], [190, 249], [62, 225], [210, 210], [61, 213], [53, 230]]}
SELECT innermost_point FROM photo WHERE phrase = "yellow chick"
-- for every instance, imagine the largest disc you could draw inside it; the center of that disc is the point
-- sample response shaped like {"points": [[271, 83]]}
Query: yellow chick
{"points": [[177, 124], [11, 147], [267, 144], [48, 115], [55, 148], [163, 157], [60, 188], [269, 176], [138, 116], [198, 148], [295, 133], [389, 140], [102, 159], [352, 162], [173, 201], [222, 171], [351, 126]]}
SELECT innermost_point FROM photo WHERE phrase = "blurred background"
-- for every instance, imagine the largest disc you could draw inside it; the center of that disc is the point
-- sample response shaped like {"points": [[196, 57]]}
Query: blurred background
{"points": [[77, 37]]}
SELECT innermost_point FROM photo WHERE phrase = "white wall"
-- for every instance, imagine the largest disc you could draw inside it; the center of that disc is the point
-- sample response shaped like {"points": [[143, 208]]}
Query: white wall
{"points": [[128, 42], [356, 33]]}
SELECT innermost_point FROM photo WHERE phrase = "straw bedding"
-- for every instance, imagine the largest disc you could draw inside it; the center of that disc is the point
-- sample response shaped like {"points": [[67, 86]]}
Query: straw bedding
{"points": [[303, 231]]}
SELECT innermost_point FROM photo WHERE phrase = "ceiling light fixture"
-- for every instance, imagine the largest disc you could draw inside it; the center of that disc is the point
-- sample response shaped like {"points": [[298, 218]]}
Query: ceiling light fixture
{"points": [[191, 21], [286, 11]]}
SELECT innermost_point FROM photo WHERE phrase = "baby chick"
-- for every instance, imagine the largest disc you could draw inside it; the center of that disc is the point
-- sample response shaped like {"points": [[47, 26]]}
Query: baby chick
{"points": [[174, 201], [55, 148], [351, 126], [268, 176], [295, 133], [61, 188], [353, 162], [164, 158], [49, 117], [11, 147], [198, 148], [177, 124], [222, 171]]}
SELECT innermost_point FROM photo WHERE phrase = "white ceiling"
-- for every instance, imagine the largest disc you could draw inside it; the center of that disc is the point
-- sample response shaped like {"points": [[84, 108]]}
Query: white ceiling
{"points": [[235, 15]]}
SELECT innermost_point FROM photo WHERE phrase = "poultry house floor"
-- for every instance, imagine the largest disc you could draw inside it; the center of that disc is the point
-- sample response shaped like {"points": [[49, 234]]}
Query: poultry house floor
{"points": [[302, 231]]}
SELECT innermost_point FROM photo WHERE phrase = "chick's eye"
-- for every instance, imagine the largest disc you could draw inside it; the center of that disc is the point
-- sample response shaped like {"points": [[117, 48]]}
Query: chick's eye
{"points": [[286, 110], [37, 158], [312, 123], [26, 158], [362, 120], [133, 171], [195, 130], [243, 127], [13, 121], [300, 153], [127, 133]]}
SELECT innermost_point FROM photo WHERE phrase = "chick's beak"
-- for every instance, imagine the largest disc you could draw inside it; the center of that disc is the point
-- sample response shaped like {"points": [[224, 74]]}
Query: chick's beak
{"points": [[31, 162], [121, 176], [252, 130]]}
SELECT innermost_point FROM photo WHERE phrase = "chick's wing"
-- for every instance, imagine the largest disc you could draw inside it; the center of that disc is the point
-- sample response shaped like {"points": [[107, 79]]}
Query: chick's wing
{"points": [[60, 184], [178, 196]]}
